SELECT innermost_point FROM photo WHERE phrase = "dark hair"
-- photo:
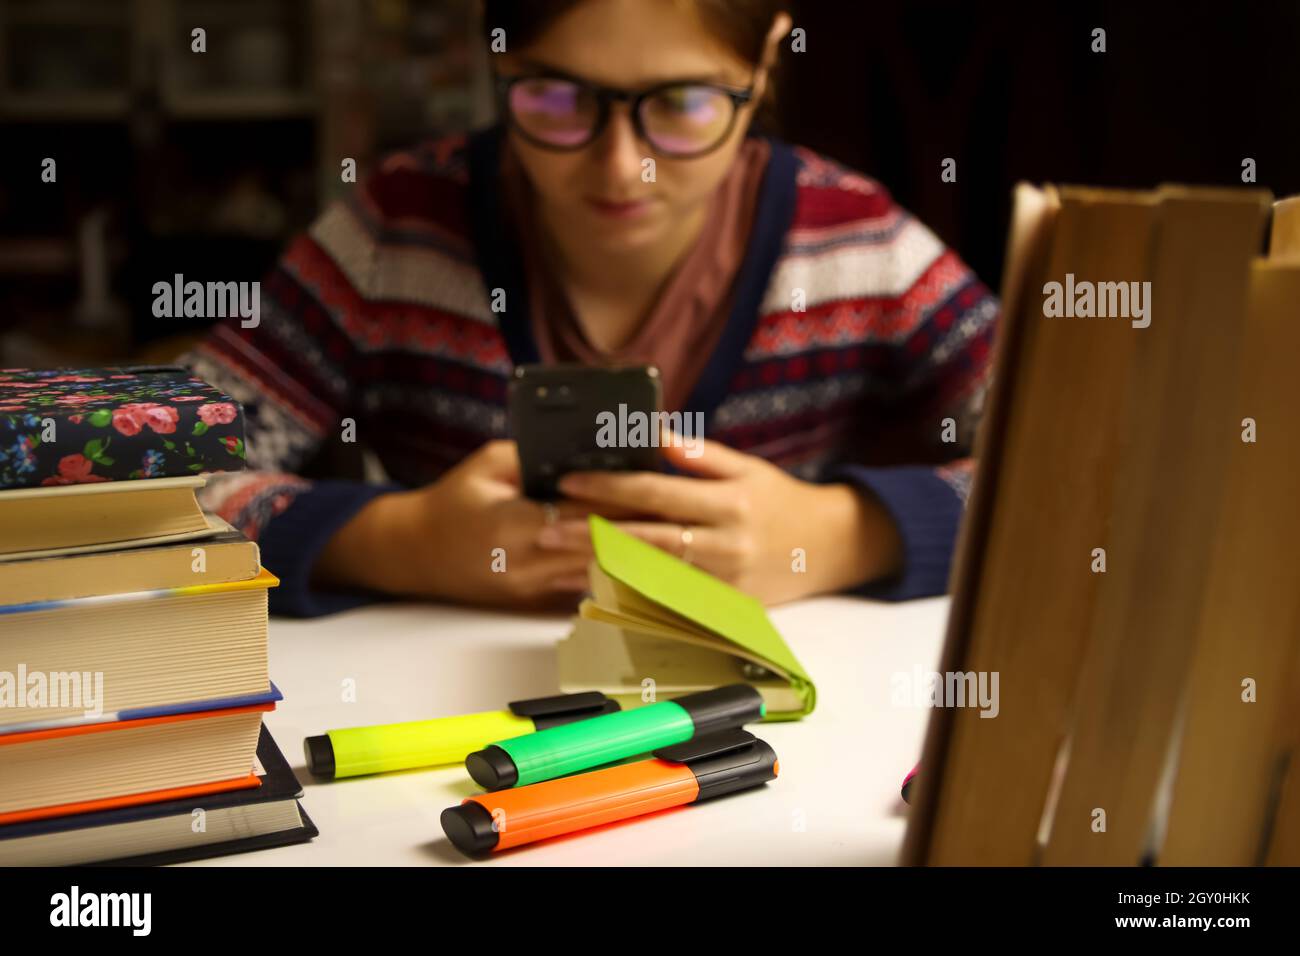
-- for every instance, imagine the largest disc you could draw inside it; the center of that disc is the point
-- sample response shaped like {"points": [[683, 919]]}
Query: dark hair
{"points": [[741, 25]]}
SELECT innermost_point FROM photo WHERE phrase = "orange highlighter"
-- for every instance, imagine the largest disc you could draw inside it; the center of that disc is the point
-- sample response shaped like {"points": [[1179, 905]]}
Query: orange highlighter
{"points": [[689, 772]]}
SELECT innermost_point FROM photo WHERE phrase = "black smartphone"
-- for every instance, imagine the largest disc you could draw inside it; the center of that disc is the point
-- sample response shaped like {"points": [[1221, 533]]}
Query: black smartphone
{"points": [[582, 418]]}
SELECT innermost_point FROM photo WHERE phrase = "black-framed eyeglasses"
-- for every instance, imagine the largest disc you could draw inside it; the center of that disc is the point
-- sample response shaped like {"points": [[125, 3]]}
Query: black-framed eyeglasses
{"points": [[681, 119]]}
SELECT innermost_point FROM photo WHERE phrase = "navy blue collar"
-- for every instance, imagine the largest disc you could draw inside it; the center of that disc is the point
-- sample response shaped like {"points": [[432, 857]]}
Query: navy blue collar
{"points": [[500, 261]]}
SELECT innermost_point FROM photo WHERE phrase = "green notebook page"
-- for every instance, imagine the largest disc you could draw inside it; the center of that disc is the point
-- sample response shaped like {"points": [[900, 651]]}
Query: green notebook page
{"points": [[698, 596]]}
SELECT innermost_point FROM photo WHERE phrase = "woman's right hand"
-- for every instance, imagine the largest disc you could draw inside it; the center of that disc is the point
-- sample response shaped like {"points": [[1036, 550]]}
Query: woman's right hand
{"points": [[470, 536]]}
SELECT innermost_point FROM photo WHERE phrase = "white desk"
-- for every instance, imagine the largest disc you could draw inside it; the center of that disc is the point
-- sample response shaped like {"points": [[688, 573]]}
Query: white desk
{"points": [[835, 803]]}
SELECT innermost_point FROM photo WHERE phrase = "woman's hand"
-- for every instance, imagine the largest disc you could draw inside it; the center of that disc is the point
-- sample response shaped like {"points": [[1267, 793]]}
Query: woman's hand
{"points": [[748, 522], [469, 536]]}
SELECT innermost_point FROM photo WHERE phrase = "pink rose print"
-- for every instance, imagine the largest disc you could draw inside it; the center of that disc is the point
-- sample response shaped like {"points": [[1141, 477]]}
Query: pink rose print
{"points": [[73, 470], [134, 416], [220, 413], [161, 419], [129, 419]]}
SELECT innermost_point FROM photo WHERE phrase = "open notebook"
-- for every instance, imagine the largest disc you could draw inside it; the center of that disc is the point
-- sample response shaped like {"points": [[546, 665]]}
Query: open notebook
{"points": [[653, 617]]}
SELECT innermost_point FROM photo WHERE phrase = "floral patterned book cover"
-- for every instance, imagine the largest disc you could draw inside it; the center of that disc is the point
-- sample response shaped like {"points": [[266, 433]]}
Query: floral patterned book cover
{"points": [[74, 426]]}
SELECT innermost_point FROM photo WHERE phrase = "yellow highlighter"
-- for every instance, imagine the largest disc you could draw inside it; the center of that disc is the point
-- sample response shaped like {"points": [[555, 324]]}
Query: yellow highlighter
{"points": [[444, 740]]}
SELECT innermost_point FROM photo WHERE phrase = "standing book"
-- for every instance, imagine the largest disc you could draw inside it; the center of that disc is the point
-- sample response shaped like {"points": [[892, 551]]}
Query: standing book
{"points": [[1085, 555], [1240, 736]]}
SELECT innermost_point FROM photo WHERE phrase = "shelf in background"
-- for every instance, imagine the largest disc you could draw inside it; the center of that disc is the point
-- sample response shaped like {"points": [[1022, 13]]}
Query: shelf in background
{"points": [[61, 107], [240, 105]]}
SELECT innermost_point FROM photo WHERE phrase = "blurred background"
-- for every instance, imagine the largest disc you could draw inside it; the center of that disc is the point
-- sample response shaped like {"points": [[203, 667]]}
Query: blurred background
{"points": [[206, 165]]}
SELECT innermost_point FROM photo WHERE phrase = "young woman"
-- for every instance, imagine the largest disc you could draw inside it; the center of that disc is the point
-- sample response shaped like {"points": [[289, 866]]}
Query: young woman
{"points": [[622, 212]]}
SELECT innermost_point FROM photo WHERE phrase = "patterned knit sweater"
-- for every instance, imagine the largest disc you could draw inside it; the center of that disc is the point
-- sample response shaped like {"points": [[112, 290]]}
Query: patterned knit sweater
{"points": [[858, 350]]}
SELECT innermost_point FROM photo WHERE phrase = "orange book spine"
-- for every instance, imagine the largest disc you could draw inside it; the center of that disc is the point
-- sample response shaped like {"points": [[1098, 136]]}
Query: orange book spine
{"points": [[131, 800], [28, 736]]}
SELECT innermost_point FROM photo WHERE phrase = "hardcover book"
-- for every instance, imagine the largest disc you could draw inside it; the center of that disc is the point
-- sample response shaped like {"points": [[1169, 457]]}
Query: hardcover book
{"points": [[65, 519], [1124, 556], [220, 555], [73, 426], [234, 821], [98, 766], [91, 658]]}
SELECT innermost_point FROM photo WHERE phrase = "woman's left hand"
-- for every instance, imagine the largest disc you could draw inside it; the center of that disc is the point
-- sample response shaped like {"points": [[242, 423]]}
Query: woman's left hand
{"points": [[743, 520]]}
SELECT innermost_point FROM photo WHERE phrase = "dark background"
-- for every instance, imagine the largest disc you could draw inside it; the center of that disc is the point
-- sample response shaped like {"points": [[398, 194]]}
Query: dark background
{"points": [[1183, 93], [210, 174]]}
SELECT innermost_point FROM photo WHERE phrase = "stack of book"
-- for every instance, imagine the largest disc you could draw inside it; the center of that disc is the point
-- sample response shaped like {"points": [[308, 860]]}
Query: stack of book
{"points": [[133, 628]]}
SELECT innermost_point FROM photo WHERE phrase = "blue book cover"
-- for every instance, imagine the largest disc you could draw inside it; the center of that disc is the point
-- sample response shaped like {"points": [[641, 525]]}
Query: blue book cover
{"points": [[270, 696]]}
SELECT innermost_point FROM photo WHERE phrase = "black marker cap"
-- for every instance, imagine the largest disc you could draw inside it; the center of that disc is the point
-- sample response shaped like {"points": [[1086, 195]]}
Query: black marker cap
{"points": [[724, 762], [320, 755], [548, 712], [492, 768], [469, 828], [722, 708]]}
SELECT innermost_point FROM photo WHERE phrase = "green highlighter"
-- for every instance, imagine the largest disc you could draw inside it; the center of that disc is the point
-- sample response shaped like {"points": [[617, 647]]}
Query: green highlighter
{"points": [[354, 751], [559, 751]]}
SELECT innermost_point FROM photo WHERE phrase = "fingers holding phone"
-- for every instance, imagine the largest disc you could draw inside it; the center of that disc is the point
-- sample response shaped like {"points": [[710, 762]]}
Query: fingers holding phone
{"points": [[469, 537]]}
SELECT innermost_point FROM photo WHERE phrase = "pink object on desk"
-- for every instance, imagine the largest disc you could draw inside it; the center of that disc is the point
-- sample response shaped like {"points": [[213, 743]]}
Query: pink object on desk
{"points": [[907, 784]]}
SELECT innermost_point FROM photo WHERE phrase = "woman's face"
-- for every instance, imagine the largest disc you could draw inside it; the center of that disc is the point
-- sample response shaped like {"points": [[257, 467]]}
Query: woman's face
{"points": [[598, 191]]}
